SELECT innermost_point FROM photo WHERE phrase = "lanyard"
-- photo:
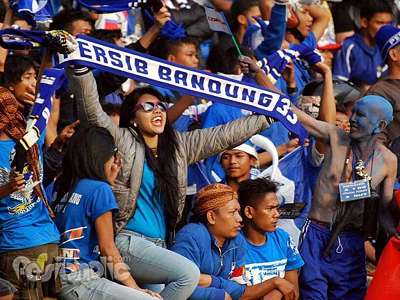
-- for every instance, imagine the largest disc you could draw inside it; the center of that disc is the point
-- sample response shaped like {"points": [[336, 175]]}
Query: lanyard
{"points": [[371, 157]]}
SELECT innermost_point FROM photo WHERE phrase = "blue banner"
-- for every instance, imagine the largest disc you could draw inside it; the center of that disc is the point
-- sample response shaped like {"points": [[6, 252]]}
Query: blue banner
{"points": [[108, 6], [125, 62], [294, 175]]}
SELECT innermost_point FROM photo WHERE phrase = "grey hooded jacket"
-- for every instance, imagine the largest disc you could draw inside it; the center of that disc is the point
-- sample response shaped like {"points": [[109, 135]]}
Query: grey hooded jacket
{"points": [[193, 146]]}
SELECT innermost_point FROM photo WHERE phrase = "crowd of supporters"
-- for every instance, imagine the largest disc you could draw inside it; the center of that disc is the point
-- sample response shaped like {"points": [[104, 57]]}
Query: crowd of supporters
{"points": [[136, 190]]}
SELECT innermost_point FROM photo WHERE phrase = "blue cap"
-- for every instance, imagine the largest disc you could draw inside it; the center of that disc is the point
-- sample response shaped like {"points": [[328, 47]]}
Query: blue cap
{"points": [[387, 38]]}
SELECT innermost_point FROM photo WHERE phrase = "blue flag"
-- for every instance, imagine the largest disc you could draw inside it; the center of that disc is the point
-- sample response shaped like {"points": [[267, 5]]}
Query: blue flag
{"points": [[294, 174]]}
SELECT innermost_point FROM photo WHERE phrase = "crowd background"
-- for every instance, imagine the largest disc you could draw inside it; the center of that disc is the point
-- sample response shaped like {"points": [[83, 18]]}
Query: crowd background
{"points": [[144, 174]]}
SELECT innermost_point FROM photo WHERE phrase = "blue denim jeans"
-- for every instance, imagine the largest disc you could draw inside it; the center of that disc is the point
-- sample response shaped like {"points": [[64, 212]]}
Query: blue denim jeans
{"points": [[86, 284], [153, 264]]}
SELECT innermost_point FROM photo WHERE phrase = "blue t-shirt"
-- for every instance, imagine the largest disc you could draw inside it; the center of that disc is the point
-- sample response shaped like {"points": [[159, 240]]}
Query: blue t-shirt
{"points": [[149, 218], [75, 220], [24, 219], [274, 258]]}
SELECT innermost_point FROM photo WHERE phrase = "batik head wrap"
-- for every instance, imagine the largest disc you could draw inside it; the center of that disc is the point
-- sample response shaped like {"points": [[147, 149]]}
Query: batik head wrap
{"points": [[212, 197]]}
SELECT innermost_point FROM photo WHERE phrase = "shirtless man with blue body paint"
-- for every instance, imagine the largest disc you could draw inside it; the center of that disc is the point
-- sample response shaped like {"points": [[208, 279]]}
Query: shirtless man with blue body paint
{"points": [[342, 274]]}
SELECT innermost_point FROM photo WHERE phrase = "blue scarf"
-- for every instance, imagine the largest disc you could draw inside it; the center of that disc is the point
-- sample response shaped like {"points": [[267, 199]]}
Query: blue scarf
{"points": [[52, 80], [28, 9], [108, 6], [55, 40], [141, 67]]}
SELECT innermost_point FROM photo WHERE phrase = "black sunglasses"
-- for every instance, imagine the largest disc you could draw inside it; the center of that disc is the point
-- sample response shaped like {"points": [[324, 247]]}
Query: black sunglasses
{"points": [[150, 106]]}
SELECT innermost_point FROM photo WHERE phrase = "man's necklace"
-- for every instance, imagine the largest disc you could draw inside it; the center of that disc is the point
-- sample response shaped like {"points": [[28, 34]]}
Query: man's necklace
{"points": [[359, 166]]}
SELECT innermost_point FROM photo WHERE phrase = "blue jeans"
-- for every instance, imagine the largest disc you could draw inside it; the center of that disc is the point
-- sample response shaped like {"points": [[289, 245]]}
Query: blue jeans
{"points": [[153, 264], [86, 284]]}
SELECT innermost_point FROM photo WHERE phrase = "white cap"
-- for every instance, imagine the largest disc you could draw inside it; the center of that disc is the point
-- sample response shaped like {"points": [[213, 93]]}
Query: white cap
{"points": [[245, 148]]}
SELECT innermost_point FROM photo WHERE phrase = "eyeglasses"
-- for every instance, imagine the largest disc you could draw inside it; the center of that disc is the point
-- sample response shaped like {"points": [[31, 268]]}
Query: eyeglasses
{"points": [[115, 152], [150, 106]]}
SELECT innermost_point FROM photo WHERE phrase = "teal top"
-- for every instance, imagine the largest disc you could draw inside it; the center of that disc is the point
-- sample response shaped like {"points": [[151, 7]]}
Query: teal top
{"points": [[149, 218]]}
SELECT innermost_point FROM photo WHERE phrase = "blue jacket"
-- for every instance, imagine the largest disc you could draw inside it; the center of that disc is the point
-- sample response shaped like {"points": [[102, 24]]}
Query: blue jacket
{"points": [[197, 244], [357, 60]]}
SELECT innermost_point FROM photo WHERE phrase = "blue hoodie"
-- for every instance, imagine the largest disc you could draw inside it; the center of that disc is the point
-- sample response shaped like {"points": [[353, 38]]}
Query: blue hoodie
{"points": [[357, 60], [197, 244]]}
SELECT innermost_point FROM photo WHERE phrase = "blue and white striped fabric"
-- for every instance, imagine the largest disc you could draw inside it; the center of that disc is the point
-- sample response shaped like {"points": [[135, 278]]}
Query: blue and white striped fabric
{"points": [[108, 6], [27, 9], [293, 174]]}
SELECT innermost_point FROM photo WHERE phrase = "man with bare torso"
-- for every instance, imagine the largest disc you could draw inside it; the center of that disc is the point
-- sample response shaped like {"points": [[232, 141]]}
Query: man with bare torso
{"points": [[342, 275]]}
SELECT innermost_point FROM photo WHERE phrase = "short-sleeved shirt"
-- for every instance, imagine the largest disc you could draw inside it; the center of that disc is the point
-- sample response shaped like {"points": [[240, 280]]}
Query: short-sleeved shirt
{"points": [[24, 219], [274, 258], [76, 222]]}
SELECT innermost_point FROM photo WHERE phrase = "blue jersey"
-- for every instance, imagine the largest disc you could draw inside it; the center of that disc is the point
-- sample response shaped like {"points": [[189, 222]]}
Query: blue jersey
{"points": [[75, 220], [357, 60], [24, 219], [274, 258]]}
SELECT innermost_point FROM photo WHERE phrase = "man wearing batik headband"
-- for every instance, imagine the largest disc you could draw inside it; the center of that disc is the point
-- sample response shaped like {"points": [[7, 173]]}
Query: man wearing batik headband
{"points": [[213, 244]]}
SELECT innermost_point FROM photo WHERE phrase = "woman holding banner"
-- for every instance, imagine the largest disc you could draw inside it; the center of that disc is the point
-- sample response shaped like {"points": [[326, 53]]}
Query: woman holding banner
{"points": [[150, 190]]}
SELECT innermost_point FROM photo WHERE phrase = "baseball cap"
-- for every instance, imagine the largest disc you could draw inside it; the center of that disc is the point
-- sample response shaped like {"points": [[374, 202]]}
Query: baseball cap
{"points": [[245, 148], [387, 38]]}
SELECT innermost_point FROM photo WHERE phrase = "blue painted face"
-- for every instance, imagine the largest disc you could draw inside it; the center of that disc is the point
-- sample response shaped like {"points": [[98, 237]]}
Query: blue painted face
{"points": [[367, 115], [362, 122]]}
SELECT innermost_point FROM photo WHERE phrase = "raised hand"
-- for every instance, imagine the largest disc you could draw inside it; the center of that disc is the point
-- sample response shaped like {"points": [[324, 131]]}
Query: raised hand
{"points": [[65, 134], [249, 66], [161, 17]]}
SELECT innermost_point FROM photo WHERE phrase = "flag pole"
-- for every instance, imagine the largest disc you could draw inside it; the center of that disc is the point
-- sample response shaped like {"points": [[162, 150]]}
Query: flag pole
{"points": [[233, 38]]}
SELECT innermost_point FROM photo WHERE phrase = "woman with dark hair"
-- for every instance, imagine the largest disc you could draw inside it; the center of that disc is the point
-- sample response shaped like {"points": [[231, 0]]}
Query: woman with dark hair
{"points": [[151, 188], [84, 207]]}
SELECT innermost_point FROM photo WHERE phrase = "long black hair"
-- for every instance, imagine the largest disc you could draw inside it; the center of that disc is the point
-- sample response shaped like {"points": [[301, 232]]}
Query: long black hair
{"points": [[87, 152], [164, 166]]}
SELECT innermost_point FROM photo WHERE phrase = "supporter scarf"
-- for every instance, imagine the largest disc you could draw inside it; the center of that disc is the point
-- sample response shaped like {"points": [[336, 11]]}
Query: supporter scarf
{"points": [[26, 138], [108, 6], [274, 64], [27, 9], [125, 62], [55, 40], [52, 80]]}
